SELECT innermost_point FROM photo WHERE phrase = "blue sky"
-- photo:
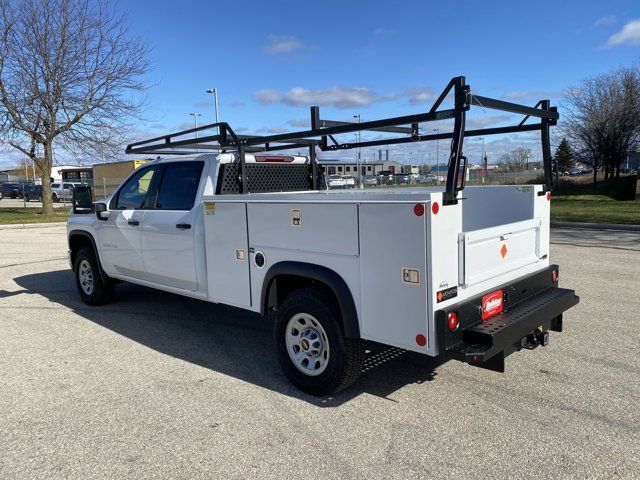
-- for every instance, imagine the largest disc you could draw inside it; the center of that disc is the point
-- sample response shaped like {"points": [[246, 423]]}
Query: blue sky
{"points": [[270, 60]]}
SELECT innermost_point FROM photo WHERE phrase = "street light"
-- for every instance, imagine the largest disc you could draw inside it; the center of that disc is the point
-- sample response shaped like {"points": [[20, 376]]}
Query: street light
{"points": [[359, 157], [195, 120], [215, 100], [437, 130]]}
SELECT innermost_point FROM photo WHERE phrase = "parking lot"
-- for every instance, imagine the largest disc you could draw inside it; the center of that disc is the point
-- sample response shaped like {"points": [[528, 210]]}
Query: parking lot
{"points": [[19, 203], [159, 386]]}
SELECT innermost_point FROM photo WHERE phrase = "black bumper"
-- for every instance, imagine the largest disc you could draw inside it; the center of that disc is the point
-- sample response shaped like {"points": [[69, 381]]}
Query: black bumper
{"points": [[533, 305]]}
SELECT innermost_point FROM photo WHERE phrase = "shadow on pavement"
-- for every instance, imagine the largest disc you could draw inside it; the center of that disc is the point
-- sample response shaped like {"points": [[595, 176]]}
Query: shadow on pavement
{"points": [[225, 339]]}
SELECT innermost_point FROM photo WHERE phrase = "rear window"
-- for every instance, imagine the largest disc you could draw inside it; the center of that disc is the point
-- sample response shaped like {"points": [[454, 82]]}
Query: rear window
{"points": [[55, 185], [179, 186]]}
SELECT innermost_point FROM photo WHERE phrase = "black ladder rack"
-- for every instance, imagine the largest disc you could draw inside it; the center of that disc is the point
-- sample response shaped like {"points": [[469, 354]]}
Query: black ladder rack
{"points": [[321, 135]]}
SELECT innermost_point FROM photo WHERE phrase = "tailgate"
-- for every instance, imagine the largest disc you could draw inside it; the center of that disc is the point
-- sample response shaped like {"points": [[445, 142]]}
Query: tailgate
{"points": [[491, 252]]}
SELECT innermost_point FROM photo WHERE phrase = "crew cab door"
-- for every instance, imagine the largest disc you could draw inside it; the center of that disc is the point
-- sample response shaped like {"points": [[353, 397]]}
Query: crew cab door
{"points": [[168, 226], [120, 248]]}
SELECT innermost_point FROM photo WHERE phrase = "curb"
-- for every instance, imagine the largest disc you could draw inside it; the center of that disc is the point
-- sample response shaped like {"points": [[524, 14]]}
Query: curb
{"points": [[17, 226], [597, 226]]}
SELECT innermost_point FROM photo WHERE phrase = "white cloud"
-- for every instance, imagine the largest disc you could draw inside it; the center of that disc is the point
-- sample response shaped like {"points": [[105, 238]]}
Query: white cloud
{"points": [[525, 95], [487, 121], [278, 45], [266, 96], [300, 123], [419, 95], [628, 35], [340, 97], [606, 20], [271, 130]]}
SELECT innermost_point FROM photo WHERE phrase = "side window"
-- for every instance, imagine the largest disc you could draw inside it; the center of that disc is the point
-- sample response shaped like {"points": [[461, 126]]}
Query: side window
{"points": [[179, 186], [55, 185], [133, 193]]}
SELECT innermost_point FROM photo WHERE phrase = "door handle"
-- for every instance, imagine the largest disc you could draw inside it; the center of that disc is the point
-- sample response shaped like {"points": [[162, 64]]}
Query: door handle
{"points": [[134, 223], [183, 226]]}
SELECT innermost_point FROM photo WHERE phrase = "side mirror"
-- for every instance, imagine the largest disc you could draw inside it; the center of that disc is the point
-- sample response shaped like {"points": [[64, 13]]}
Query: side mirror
{"points": [[101, 210], [82, 200]]}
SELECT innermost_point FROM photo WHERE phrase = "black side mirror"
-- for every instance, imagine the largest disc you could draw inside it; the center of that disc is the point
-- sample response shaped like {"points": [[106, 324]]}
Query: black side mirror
{"points": [[82, 200], [101, 210]]}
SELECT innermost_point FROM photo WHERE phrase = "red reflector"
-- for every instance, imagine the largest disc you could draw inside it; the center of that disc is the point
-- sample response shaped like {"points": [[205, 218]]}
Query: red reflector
{"points": [[435, 208], [492, 304], [418, 209], [452, 321], [421, 340], [554, 276], [549, 196]]}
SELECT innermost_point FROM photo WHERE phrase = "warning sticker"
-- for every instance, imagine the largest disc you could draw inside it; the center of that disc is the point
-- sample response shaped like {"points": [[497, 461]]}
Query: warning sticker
{"points": [[209, 208], [447, 294]]}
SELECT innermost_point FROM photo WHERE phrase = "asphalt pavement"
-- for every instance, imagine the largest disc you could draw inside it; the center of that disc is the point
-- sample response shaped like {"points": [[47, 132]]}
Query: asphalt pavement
{"points": [[159, 386]]}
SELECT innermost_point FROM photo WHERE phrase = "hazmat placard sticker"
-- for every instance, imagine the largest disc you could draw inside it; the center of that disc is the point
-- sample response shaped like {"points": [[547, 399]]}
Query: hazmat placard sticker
{"points": [[209, 208]]}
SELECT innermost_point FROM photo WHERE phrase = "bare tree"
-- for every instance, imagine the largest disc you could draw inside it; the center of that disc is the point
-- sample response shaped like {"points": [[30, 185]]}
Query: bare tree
{"points": [[70, 75], [516, 160], [602, 119]]}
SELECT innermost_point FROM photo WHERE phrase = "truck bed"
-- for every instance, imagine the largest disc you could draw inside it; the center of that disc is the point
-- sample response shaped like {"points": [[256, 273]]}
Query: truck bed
{"points": [[401, 252]]}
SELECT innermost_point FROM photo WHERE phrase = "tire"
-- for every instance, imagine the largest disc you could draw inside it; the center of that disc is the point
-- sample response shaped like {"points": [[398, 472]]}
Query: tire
{"points": [[335, 362], [54, 198], [91, 288]]}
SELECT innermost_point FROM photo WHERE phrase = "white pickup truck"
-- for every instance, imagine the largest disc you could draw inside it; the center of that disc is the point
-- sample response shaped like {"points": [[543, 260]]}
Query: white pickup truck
{"points": [[245, 227]]}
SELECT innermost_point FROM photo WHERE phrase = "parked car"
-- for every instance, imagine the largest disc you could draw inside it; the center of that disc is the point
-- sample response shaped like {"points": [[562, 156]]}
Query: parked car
{"points": [[335, 181], [370, 180], [349, 182], [1, 196], [10, 190], [385, 177], [62, 191], [33, 192], [427, 178], [403, 179]]}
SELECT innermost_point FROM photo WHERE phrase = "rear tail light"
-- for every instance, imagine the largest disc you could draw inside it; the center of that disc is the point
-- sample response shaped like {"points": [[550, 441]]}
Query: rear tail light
{"points": [[452, 321], [554, 276]]}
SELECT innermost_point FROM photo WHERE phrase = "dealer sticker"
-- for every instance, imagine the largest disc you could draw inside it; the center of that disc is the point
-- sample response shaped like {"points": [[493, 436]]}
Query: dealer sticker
{"points": [[447, 294]]}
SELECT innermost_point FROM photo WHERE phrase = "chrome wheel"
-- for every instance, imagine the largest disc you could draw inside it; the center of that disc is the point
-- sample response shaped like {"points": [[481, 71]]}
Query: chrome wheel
{"points": [[307, 344], [85, 277]]}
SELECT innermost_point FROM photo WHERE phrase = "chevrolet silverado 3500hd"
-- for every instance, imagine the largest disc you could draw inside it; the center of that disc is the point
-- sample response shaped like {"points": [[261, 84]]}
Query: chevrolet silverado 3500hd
{"points": [[243, 226]]}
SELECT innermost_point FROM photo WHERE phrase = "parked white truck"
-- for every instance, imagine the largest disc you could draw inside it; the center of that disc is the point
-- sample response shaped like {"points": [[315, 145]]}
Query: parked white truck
{"points": [[256, 230]]}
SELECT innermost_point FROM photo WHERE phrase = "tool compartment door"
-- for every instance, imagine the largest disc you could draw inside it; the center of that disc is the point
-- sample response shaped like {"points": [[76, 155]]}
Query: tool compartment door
{"points": [[491, 252], [393, 265], [226, 250]]}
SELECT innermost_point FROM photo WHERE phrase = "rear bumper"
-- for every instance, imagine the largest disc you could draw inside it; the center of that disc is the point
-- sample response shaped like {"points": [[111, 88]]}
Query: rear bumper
{"points": [[532, 306]]}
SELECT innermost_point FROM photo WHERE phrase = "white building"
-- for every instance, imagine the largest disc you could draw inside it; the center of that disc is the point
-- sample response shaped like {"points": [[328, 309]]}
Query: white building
{"points": [[337, 167]]}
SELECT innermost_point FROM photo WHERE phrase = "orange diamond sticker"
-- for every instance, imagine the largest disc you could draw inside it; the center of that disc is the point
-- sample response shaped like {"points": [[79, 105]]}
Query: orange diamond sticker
{"points": [[503, 250], [439, 296]]}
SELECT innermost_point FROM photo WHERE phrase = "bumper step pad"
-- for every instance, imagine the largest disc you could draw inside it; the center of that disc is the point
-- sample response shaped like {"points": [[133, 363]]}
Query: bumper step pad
{"points": [[485, 344]]}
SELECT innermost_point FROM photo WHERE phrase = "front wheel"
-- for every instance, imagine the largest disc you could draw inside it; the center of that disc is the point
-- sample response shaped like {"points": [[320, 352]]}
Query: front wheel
{"points": [[92, 289], [54, 198], [312, 349]]}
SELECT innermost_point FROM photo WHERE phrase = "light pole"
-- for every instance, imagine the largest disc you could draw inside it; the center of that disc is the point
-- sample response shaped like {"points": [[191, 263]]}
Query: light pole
{"points": [[359, 158], [437, 130], [215, 100], [482, 159], [195, 120]]}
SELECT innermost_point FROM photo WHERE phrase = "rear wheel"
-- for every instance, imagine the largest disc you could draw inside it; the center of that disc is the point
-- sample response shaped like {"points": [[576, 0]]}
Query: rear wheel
{"points": [[312, 349], [92, 289]]}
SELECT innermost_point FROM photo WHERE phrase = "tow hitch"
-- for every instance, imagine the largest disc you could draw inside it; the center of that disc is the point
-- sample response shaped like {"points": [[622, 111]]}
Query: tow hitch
{"points": [[535, 339]]}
